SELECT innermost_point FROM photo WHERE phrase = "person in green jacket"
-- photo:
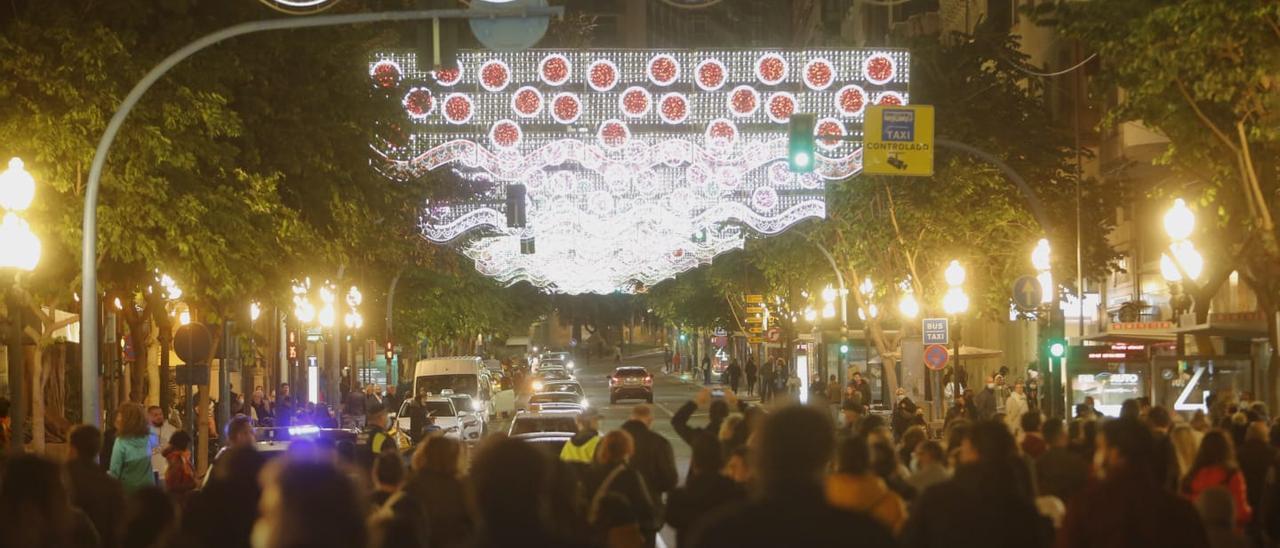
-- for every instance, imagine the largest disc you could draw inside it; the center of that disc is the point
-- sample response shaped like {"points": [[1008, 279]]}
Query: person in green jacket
{"points": [[131, 454]]}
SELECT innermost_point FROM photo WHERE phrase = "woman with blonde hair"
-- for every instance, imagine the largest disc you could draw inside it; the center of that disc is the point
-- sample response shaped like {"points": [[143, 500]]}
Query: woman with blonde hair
{"points": [[1185, 446], [131, 453], [619, 506], [437, 483]]}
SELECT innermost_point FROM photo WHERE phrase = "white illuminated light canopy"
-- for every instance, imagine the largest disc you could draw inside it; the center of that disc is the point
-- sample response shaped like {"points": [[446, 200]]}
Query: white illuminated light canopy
{"points": [[679, 142]]}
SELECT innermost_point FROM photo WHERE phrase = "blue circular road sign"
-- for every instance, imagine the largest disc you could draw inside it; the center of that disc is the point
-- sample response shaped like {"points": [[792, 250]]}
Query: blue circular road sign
{"points": [[936, 357], [1027, 293]]}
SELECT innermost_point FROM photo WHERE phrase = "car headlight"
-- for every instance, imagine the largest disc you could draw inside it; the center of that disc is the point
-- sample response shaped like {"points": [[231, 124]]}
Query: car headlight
{"points": [[477, 405], [569, 365], [537, 385], [585, 403]]}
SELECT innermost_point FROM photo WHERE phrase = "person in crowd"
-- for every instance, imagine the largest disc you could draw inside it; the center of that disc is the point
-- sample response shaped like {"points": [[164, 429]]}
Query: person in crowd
{"points": [[717, 408], [913, 437], [1015, 406], [654, 458], [258, 408], [160, 431], [1060, 472], [4, 427], [955, 434], [738, 467], [705, 491], [833, 395], [1033, 444], [751, 372], [986, 401], [239, 434], [512, 485], [99, 495], [884, 462], [222, 514], [1216, 465], [706, 369], [376, 440], [35, 509], [179, 476], [904, 411], [1186, 444], [1166, 464], [1218, 513], [392, 399], [930, 466], [581, 448], [1128, 506], [734, 373], [857, 488], [767, 375], [1084, 443], [1257, 459], [354, 407], [991, 485], [1131, 409], [794, 450], [620, 506], [373, 396], [312, 503], [852, 418], [959, 410], [284, 408], [436, 483], [733, 432], [860, 388], [131, 455], [150, 519], [399, 519]]}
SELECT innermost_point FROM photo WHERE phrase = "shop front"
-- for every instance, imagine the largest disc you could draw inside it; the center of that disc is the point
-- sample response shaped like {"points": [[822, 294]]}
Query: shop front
{"points": [[1110, 374]]}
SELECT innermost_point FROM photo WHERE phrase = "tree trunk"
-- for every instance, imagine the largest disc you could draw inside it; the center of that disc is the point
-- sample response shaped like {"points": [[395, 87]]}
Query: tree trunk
{"points": [[56, 391], [37, 399]]}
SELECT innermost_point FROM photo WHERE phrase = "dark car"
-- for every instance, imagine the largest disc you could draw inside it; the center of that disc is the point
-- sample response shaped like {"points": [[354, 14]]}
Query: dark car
{"points": [[631, 383]]}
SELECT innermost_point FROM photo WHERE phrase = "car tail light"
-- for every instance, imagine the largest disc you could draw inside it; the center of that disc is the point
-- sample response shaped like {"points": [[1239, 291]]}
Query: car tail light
{"points": [[613, 381], [648, 379]]}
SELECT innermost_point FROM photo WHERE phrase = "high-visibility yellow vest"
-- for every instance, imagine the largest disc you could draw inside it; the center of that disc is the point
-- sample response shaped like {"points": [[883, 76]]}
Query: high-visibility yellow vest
{"points": [[585, 453]]}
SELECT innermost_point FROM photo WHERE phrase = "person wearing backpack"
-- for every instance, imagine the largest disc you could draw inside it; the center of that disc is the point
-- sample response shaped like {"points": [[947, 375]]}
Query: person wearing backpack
{"points": [[1215, 465], [619, 508], [179, 476]]}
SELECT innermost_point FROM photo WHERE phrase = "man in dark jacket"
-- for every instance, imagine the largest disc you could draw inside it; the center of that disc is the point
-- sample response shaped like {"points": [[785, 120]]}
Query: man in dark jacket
{"points": [[1128, 507], [718, 410], [654, 458], [512, 485], [92, 490], [991, 485], [796, 445], [705, 491], [986, 400], [1059, 471]]}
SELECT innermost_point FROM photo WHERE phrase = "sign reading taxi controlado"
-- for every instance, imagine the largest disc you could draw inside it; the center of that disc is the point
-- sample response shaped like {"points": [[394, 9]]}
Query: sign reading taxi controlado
{"points": [[605, 135]]}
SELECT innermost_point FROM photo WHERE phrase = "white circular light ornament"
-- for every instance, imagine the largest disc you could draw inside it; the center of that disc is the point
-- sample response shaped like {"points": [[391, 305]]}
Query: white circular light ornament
{"points": [[781, 106], [890, 98], [764, 198], [505, 134], [819, 74], [457, 108], [566, 108], [744, 101], [851, 100], [527, 102], [385, 73], [663, 69], [602, 75], [635, 102], [448, 77], [879, 68], [829, 127], [554, 69], [721, 131], [613, 134], [494, 75], [17, 186], [419, 103], [771, 69], [710, 74], [673, 108]]}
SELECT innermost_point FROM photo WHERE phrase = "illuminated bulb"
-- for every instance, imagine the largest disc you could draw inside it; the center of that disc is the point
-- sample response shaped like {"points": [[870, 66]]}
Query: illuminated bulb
{"points": [[327, 315], [828, 294], [354, 297], [19, 246], [304, 310], [1046, 287], [184, 317], [17, 187], [908, 306], [802, 159], [810, 314], [955, 301], [117, 304], [874, 310], [1187, 256], [1179, 221], [866, 287], [326, 294], [954, 274], [829, 310], [1040, 255], [254, 311]]}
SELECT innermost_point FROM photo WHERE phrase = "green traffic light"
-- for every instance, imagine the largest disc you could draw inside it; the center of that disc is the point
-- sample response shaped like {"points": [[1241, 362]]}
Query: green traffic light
{"points": [[682, 336], [800, 142], [1057, 349], [844, 349]]}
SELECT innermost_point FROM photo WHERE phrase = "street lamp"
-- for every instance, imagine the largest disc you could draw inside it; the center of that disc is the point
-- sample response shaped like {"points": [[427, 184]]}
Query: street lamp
{"points": [[1182, 261], [19, 251], [1040, 261], [954, 303]]}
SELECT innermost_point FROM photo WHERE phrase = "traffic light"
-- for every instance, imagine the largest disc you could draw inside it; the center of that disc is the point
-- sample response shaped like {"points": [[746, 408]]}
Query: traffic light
{"points": [[517, 206], [437, 40], [1057, 348], [844, 348], [800, 149]]}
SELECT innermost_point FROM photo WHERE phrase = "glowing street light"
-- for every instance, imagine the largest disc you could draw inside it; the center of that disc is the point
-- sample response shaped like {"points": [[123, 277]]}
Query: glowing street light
{"points": [[1179, 221], [17, 187], [19, 246], [955, 301], [255, 311], [954, 274], [1040, 261], [327, 314], [908, 306]]}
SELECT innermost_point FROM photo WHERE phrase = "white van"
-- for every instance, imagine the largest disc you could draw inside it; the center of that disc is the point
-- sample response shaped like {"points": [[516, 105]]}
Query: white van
{"points": [[463, 375]]}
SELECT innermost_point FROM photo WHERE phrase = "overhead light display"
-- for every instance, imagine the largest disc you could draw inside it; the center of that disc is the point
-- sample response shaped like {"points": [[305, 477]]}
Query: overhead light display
{"points": [[666, 143]]}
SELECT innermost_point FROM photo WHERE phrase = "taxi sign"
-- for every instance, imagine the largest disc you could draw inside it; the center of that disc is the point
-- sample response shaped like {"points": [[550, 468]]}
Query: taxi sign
{"points": [[898, 140]]}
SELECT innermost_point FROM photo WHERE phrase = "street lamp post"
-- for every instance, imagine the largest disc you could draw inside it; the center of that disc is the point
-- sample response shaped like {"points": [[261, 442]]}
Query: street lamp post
{"points": [[1183, 264], [19, 252], [954, 303]]}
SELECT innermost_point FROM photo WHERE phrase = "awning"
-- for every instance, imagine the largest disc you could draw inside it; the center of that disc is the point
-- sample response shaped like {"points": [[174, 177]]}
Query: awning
{"points": [[1230, 331], [966, 353], [1152, 336]]}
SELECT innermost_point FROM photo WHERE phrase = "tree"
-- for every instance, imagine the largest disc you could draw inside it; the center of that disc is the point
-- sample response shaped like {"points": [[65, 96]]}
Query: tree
{"points": [[1204, 74]]}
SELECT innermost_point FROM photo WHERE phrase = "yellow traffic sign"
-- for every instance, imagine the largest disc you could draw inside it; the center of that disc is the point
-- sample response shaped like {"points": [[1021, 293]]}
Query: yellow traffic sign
{"points": [[754, 330], [754, 319], [754, 310], [898, 140], [755, 340], [754, 299]]}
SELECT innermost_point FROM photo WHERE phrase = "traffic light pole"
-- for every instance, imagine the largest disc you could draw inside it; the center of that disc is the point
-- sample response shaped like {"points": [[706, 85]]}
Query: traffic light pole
{"points": [[92, 405]]}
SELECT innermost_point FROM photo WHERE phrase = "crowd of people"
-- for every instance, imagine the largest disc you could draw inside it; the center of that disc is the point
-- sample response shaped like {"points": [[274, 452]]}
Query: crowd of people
{"points": [[780, 475]]}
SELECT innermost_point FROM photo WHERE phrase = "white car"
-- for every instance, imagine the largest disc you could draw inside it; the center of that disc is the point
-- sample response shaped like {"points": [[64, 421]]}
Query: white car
{"points": [[565, 358], [470, 415], [442, 411], [556, 401]]}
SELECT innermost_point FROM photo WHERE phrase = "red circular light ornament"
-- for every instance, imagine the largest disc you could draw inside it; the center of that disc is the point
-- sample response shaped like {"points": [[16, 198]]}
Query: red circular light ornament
{"points": [[781, 106], [721, 131], [771, 68], [891, 98], [495, 75], [744, 101], [673, 108], [711, 74], [554, 69], [527, 101], [613, 134], [851, 100], [663, 69], [457, 108], [419, 103], [602, 75], [385, 73], [505, 134], [566, 108], [448, 77], [878, 68], [829, 127], [635, 102], [818, 74]]}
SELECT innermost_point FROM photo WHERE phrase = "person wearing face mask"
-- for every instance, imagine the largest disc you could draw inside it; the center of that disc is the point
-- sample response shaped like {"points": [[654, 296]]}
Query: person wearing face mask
{"points": [[1015, 407], [904, 410], [1129, 503], [986, 400]]}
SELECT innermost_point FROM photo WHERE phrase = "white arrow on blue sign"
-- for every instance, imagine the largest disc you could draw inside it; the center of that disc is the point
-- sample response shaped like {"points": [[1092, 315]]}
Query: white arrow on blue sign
{"points": [[935, 331], [1027, 293]]}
